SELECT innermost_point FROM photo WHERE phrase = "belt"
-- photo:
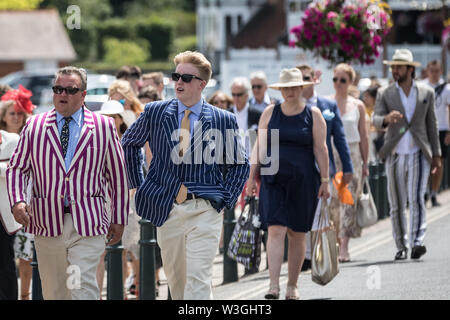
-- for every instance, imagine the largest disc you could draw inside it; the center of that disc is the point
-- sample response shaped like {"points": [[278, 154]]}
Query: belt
{"points": [[190, 196], [66, 209]]}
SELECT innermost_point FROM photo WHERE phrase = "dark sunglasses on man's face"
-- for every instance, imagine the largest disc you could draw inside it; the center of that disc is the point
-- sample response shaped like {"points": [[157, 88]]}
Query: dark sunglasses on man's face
{"points": [[68, 90], [184, 77], [257, 86], [240, 94], [341, 80]]}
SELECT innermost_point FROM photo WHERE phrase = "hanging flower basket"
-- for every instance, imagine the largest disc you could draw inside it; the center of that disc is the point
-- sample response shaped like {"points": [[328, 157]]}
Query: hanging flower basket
{"points": [[344, 31], [446, 34]]}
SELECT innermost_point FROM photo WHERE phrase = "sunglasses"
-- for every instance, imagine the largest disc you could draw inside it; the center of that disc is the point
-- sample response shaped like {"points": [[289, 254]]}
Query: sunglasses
{"points": [[341, 80], [184, 77], [307, 78], [240, 94], [67, 90], [257, 86]]}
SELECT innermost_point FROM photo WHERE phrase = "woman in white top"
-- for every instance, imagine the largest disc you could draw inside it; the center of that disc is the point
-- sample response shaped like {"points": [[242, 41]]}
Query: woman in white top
{"points": [[353, 116]]}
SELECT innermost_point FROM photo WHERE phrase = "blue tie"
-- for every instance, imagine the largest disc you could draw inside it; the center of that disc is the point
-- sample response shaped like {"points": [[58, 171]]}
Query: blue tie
{"points": [[65, 135]]}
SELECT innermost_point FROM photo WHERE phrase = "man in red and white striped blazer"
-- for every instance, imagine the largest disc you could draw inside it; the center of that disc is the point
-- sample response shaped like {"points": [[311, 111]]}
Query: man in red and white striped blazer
{"points": [[73, 159]]}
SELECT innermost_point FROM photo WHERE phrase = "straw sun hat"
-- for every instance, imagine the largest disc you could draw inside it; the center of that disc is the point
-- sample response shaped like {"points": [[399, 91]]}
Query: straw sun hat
{"points": [[402, 57], [290, 78]]}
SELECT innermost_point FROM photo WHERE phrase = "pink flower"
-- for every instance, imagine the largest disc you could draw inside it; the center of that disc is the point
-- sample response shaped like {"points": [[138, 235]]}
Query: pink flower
{"points": [[331, 15], [377, 39], [292, 43]]}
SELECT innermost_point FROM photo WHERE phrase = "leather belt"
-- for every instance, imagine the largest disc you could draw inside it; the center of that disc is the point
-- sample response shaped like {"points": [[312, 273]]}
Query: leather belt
{"points": [[66, 209]]}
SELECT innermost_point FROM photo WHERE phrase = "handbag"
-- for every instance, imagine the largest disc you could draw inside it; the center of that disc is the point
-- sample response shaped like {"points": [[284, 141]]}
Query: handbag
{"points": [[245, 242], [324, 258], [366, 213]]}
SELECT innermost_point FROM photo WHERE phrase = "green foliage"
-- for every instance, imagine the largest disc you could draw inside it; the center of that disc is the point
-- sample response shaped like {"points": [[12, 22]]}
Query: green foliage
{"points": [[159, 32], [19, 4], [185, 43], [121, 52], [112, 28]]}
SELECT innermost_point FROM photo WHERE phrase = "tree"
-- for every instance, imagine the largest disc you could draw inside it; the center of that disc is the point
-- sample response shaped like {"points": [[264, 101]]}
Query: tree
{"points": [[19, 4]]}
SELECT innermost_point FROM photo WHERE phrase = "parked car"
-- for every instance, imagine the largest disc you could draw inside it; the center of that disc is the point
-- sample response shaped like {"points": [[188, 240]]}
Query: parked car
{"points": [[40, 83]]}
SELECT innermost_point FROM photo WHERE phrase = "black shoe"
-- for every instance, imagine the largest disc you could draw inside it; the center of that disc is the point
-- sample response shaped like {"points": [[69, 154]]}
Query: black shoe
{"points": [[434, 202], [401, 255], [251, 271], [418, 251], [306, 265]]}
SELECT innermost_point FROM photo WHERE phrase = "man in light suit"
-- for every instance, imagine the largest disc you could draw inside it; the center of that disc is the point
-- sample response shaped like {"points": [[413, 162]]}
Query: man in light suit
{"points": [[185, 189], [335, 130], [74, 158], [411, 146]]}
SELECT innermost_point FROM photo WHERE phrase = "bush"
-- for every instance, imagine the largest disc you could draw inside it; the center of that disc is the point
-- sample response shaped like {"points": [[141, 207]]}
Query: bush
{"points": [[185, 43], [113, 28], [124, 52], [159, 32]]}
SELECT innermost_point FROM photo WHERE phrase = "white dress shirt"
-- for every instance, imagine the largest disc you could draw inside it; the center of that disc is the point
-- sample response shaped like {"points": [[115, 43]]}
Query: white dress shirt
{"points": [[407, 145]]}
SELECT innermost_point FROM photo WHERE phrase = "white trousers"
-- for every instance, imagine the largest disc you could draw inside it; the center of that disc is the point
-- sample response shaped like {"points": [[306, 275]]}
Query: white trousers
{"points": [[189, 240], [407, 179], [67, 264]]}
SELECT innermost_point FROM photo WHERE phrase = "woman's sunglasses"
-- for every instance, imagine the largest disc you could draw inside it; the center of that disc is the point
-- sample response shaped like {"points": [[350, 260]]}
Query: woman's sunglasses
{"points": [[341, 80], [184, 77], [68, 90]]}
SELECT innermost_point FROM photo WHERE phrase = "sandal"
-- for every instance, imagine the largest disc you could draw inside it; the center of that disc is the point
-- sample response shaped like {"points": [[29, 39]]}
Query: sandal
{"points": [[273, 293], [292, 293]]}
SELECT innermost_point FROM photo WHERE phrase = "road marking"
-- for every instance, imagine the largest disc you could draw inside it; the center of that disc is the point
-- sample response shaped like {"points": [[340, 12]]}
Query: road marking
{"points": [[379, 240]]}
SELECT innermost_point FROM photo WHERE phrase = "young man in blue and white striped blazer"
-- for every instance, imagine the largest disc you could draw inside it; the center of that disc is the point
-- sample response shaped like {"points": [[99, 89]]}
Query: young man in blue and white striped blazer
{"points": [[185, 189]]}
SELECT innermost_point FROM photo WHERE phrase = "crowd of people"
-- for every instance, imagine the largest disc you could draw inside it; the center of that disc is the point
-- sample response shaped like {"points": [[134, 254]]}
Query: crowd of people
{"points": [[127, 147]]}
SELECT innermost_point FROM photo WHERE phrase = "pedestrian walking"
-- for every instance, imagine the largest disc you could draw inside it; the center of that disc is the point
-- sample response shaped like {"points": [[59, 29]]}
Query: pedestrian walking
{"points": [[442, 104], [156, 80], [14, 112], [181, 195], [261, 98], [79, 161], [221, 100], [411, 147], [335, 133], [289, 196], [121, 91], [353, 115]]}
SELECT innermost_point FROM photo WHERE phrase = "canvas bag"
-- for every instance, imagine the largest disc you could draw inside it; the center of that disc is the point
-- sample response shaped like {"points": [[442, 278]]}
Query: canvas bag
{"points": [[367, 213], [324, 256]]}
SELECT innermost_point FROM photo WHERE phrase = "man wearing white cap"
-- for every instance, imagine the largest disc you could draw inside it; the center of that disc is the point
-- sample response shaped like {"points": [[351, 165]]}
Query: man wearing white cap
{"points": [[411, 146]]}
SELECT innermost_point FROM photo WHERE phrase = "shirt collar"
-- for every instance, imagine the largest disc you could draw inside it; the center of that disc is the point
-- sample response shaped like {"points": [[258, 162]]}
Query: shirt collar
{"points": [[77, 116], [247, 105], [266, 99], [196, 108], [414, 85]]}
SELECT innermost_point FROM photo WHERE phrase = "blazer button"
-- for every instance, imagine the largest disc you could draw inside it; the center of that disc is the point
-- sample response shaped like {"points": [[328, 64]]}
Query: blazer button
{"points": [[61, 196], [67, 179]]}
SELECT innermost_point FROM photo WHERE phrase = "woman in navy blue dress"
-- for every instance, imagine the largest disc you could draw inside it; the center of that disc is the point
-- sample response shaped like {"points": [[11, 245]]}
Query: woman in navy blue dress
{"points": [[291, 141]]}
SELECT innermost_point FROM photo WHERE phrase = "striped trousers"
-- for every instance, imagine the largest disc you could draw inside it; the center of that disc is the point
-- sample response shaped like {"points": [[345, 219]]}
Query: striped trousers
{"points": [[407, 178]]}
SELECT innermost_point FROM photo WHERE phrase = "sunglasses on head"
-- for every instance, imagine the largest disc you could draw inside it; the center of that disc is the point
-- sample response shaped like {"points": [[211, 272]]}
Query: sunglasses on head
{"points": [[257, 86], [240, 94], [341, 80], [67, 90], [184, 77]]}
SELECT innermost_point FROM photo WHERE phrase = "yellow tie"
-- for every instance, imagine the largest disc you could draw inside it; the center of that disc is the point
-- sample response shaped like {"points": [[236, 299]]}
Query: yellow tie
{"points": [[185, 139]]}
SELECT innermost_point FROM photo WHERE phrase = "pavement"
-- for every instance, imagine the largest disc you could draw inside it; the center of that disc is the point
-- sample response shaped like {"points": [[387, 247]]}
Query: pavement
{"points": [[371, 275]]}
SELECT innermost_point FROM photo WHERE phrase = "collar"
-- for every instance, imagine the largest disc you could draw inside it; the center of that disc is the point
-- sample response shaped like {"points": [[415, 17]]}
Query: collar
{"points": [[414, 85], [196, 108], [77, 116]]}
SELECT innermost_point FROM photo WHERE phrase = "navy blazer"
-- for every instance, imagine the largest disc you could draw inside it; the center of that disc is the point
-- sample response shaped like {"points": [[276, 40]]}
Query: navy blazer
{"points": [[335, 128], [158, 125]]}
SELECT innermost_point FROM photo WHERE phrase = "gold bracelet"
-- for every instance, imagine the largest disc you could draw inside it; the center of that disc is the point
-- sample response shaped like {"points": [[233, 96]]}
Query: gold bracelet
{"points": [[324, 179]]}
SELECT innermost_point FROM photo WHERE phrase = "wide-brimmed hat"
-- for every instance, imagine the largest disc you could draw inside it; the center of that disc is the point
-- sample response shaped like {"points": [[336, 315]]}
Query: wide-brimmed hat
{"points": [[290, 78], [402, 57], [111, 107]]}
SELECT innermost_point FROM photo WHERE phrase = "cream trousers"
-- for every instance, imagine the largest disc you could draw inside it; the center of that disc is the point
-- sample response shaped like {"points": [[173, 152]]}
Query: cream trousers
{"points": [[189, 240], [68, 263]]}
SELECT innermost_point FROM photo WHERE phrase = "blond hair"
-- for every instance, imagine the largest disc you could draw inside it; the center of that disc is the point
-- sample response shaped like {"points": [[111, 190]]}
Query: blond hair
{"points": [[198, 60], [348, 69], [124, 88], [4, 105], [157, 77]]}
